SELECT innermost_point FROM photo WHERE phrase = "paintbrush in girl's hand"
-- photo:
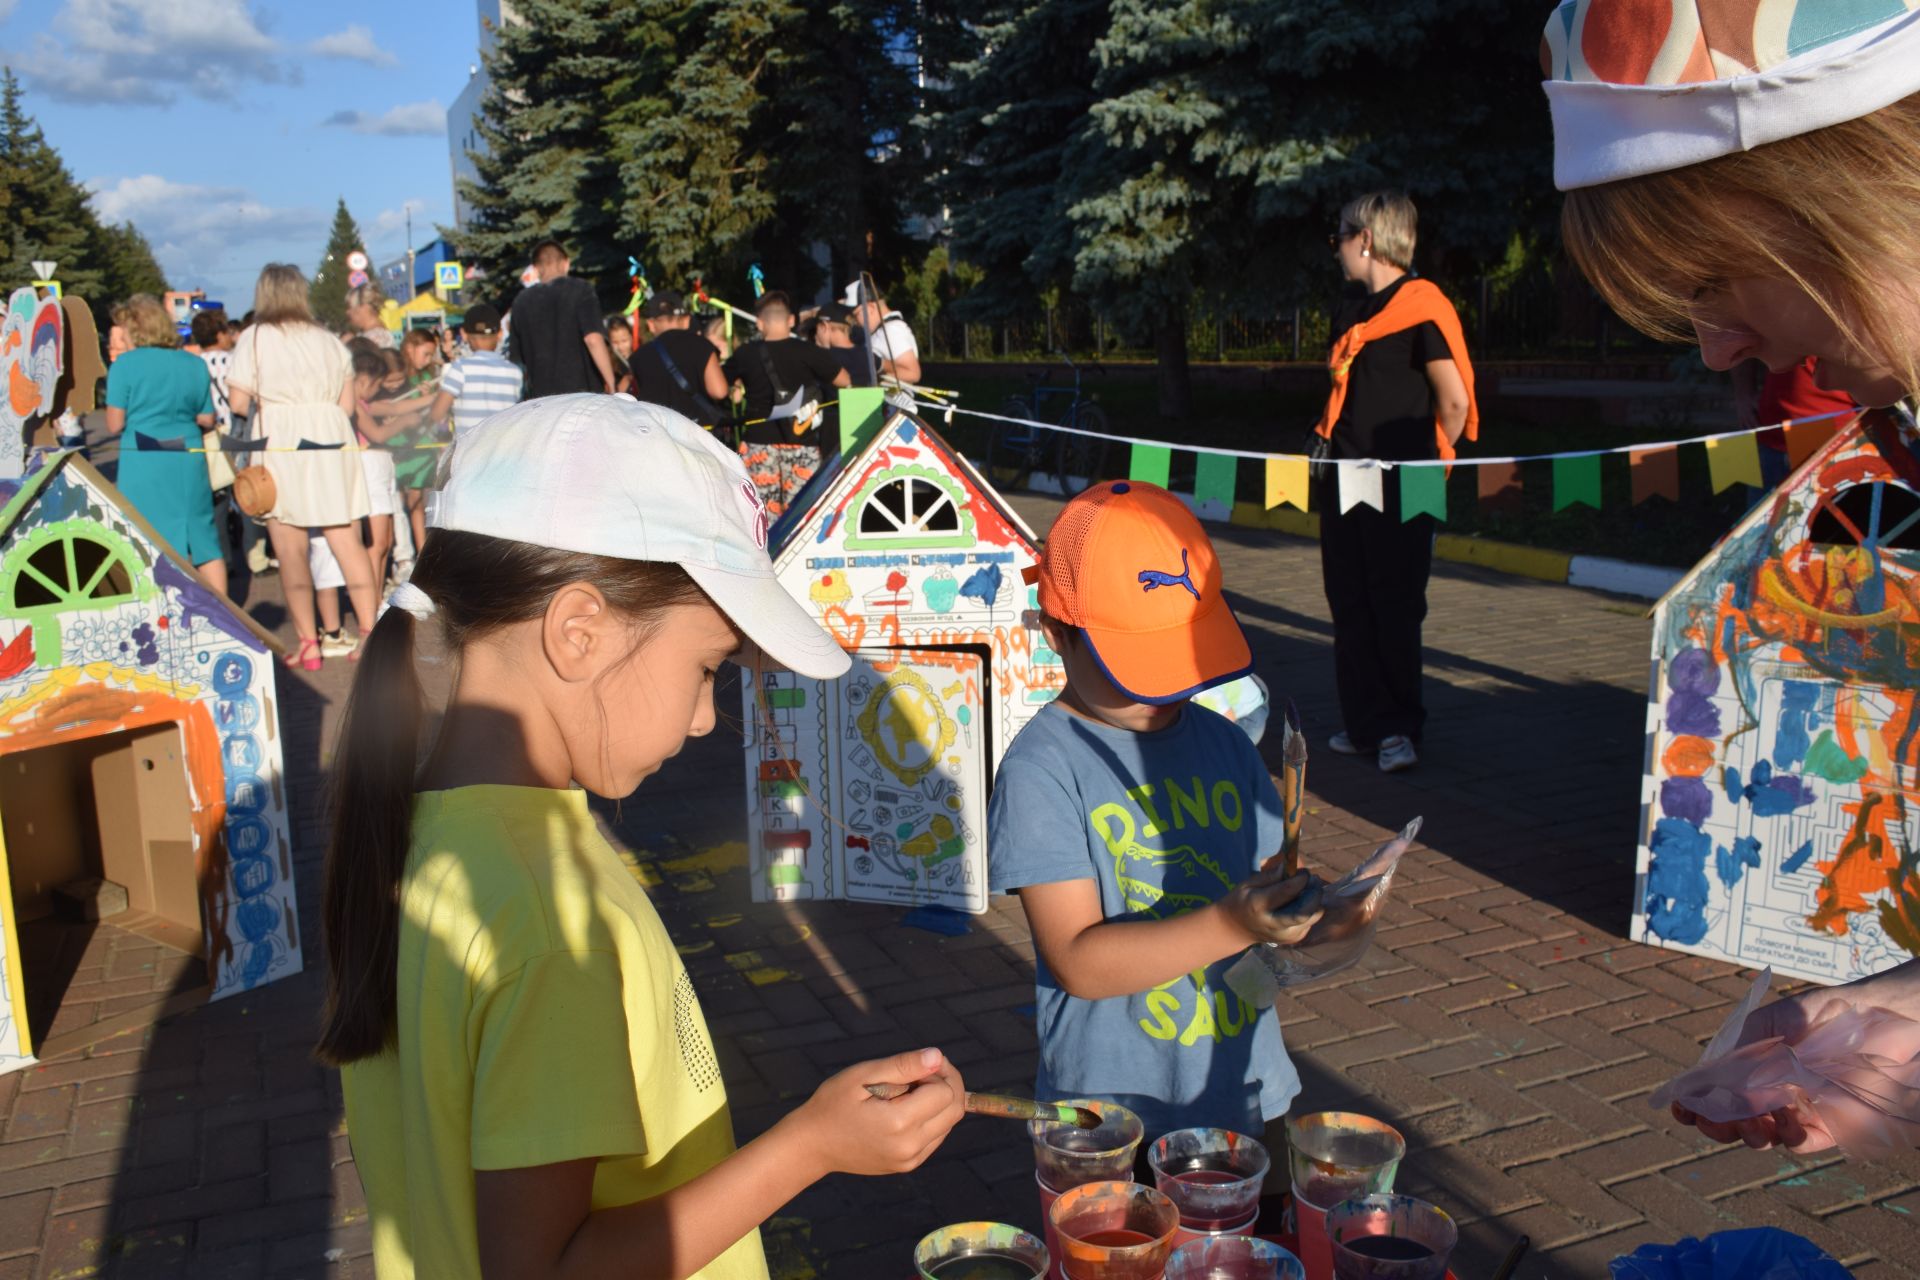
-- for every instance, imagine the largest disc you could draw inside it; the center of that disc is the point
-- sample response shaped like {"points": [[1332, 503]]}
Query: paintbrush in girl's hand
{"points": [[1293, 784], [1007, 1108]]}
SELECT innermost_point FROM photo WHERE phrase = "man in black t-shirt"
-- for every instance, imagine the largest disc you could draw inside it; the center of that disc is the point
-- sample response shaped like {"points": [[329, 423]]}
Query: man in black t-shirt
{"points": [[1374, 563], [557, 333], [677, 368], [785, 381]]}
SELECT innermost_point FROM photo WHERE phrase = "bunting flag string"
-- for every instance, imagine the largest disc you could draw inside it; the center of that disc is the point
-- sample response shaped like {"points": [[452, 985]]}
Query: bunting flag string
{"points": [[1733, 457]]}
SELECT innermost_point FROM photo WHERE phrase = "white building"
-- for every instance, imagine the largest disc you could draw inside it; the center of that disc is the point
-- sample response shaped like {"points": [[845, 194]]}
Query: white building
{"points": [[463, 137]]}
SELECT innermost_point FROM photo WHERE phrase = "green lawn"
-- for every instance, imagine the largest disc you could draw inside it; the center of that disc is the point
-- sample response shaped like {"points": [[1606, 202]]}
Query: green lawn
{"points": [[1657, 532]]}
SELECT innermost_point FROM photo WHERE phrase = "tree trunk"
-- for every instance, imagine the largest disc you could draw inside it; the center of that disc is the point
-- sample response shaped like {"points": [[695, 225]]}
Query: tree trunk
{"points": [[1170, 358]]}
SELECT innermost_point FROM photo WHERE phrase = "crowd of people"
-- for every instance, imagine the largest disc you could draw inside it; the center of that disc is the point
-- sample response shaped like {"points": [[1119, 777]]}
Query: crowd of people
{"points": [[272, 444]]}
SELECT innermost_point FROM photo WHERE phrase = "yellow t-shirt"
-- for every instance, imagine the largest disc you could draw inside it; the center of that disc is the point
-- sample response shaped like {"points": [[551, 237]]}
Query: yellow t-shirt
{"points": [[544, 1015]]}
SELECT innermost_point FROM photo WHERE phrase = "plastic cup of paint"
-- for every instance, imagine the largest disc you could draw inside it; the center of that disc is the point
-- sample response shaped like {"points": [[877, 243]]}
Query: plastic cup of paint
{"points": [[1336, 1156], [1067, 1155], [1047, 1196], [1114, 1231], [980, 1251], [1388, 1237], [1213, 1175], [1233, 1258]]}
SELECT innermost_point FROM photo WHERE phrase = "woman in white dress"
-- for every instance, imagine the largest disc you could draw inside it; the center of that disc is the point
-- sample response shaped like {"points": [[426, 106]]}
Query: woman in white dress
{"points": [[301, 378]]}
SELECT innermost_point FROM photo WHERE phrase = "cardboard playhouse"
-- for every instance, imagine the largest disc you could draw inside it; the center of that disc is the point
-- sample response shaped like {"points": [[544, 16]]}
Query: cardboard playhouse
{"points": [[142, 799], [873, 787], [1780, 817]]}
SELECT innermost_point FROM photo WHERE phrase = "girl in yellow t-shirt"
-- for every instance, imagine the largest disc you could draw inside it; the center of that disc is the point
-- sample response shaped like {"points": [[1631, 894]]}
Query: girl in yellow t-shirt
{"points": [[531, 1090]]}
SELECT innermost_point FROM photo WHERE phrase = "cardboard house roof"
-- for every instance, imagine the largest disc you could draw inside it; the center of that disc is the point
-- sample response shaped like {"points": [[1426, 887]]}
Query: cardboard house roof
{"points": [[827, 484], [29, 492], [1762, 511]]}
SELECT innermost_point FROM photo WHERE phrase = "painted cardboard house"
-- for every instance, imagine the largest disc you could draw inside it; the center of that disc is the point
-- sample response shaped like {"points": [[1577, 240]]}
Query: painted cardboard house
{"points": [[139, 746], [873, 787], [1780, 811]]}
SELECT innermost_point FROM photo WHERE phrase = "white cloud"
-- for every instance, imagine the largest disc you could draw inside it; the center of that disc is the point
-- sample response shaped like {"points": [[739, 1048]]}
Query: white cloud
{"points": [[410, 119], [391, 224], [356, 44], [6, 8], [118, 51], [197, 231]]}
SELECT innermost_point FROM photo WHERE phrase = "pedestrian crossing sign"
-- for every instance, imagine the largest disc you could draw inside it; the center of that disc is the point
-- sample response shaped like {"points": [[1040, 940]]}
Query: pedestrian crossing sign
{"points": [[447, 275]]}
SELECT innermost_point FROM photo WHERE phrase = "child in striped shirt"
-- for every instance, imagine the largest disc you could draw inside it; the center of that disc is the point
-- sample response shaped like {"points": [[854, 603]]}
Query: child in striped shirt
{"points": [[482, 383]]}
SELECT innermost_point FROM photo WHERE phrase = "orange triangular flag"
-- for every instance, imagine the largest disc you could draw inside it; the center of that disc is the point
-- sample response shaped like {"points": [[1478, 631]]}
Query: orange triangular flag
{"points": [[1499, 485], [1655, 474], [1805, 438]]}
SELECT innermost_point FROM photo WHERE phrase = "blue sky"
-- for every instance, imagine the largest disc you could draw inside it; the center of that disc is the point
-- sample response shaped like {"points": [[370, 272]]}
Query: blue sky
{"points": [[226, 129]]}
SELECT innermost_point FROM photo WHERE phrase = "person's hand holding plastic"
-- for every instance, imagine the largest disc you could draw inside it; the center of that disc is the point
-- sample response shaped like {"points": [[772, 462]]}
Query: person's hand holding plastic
{"points": [[1875, 1101], [850, 1131], [1272, 906]]}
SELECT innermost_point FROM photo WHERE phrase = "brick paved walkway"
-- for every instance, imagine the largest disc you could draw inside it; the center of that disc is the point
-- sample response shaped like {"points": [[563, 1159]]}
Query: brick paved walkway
{"points": [[1502, 1022]]}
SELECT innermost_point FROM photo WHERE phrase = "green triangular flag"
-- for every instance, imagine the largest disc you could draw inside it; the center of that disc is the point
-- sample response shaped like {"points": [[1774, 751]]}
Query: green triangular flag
{"points": [[1423, 491], [1151, 463], [1213, 475], [1576, 480]]}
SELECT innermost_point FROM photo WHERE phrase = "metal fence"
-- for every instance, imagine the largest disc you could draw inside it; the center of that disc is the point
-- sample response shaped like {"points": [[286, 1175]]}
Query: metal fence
{"points": [[1538, 316]]}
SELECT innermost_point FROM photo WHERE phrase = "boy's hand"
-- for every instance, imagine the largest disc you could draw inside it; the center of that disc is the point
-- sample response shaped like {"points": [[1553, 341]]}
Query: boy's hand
{"points": [[1272, 906], [851, 1131]]}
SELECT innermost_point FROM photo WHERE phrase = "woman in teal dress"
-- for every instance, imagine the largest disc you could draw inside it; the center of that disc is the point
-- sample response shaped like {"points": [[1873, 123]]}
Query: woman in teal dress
{"points": [[159, 399]]}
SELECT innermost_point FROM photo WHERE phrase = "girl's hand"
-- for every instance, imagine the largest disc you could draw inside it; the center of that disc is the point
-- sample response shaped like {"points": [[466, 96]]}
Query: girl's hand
{"points": [[1272, 906], [850, 1131]]}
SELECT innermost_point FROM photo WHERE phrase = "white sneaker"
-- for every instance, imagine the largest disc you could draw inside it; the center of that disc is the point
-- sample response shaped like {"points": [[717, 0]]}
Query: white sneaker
{"points": [[1342, 744], [257, 558], [1397, 753], [337, 644]]}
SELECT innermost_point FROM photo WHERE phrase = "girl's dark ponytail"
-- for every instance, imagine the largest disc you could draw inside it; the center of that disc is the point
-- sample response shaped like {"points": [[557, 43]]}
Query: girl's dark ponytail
{"points": [[478, 585], [373, 783]]}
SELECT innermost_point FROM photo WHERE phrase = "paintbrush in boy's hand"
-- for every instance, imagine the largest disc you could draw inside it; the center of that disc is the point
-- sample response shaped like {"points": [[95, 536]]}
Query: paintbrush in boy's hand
{"points": [[1007, 1108], [1293, 784]]}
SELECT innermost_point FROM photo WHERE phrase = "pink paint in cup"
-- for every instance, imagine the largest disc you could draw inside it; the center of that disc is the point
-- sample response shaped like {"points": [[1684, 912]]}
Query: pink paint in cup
{"points": [[1213, 1175], [1334, 1156], [1114, 1231]]}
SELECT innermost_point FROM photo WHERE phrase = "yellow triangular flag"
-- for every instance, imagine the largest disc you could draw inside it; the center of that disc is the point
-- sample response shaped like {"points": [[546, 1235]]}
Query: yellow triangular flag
{"points": [[1287, 482], [1734, 460]]}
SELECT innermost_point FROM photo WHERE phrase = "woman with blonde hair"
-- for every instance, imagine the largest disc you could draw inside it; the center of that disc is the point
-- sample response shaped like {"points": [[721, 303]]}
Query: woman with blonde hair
{"points": [[159, 400], [1746, 179], [300, 376]]}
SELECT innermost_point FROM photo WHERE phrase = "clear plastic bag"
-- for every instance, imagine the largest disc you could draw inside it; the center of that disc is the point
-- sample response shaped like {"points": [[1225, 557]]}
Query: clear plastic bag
{"points": [[1352, 905], [1750, 1253], [1851, 1078]]}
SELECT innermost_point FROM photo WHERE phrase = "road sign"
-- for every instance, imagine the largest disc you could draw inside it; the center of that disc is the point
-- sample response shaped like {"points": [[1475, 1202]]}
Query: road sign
{"points": [[43, 269], [356, 278], [448, 275], [356, 261]]}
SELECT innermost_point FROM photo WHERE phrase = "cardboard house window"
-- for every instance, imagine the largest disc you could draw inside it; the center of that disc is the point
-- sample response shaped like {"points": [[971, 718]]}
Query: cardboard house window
{"points": [[1880, 513], [72, 572], [912, 508]]}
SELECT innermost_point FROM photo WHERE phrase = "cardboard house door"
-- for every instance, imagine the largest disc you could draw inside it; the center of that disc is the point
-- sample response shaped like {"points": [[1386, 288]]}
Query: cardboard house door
{"points": [[911, 745]]}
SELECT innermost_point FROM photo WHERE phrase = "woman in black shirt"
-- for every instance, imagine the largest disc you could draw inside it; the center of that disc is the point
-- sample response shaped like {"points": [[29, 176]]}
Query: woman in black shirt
{"points": [[1375, 564]]}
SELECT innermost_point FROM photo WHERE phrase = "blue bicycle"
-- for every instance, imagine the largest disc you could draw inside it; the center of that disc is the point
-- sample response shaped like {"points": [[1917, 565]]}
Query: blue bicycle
{"points": [[1016, 451]]}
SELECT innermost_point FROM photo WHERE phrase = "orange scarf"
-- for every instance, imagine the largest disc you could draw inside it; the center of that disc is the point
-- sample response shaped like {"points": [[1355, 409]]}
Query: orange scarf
{"points": [[1415, 302]]}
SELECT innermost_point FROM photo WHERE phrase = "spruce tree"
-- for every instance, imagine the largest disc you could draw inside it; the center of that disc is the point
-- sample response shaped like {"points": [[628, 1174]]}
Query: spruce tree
{"points": [[548, 172], [328, 290], [1002, 132], [44, 212], [127, 260]]}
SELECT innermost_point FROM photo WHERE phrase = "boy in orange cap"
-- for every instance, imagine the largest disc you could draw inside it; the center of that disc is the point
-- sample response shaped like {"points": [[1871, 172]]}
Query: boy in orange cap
{"points": [[1135, 825]]}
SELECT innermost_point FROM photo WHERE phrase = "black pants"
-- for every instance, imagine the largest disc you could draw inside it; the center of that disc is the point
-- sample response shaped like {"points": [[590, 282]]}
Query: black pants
{"points": [[1375, 569]]}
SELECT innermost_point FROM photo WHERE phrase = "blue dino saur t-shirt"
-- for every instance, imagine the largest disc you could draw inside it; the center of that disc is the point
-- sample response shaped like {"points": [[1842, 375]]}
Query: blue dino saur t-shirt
{"points": [[1166, 822]]}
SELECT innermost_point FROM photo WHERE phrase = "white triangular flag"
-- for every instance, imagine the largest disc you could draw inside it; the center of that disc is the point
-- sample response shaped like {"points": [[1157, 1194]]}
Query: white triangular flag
{"points": [[1360, 485]]}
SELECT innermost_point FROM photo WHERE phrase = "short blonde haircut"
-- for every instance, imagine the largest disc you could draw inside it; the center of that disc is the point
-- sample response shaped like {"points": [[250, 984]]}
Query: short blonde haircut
{"points": [[280, 296], [1831, 210], [365, 295], [146, 322], [1391, 217]]}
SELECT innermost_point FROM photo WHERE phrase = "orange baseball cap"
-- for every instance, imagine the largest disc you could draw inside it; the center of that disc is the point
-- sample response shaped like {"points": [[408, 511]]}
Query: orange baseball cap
{"points": [[1128, 564]]}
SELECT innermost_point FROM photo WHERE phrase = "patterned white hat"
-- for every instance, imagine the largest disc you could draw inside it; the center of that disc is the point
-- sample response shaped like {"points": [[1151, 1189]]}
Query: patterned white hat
{"points": [[1644, 86]]}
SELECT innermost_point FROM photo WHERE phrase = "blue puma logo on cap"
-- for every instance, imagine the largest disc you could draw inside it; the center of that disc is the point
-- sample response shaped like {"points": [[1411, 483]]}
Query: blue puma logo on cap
{"points": [[1151, 578]]}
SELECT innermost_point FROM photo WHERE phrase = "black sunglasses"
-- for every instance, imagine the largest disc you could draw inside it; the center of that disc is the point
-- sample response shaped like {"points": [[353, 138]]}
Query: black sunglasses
{"points": [[1342, 233]]}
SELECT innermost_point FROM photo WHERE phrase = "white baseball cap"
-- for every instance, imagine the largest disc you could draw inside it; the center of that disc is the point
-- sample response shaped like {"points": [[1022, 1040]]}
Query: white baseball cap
{"points": [[609, 476], [851, 298]]}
